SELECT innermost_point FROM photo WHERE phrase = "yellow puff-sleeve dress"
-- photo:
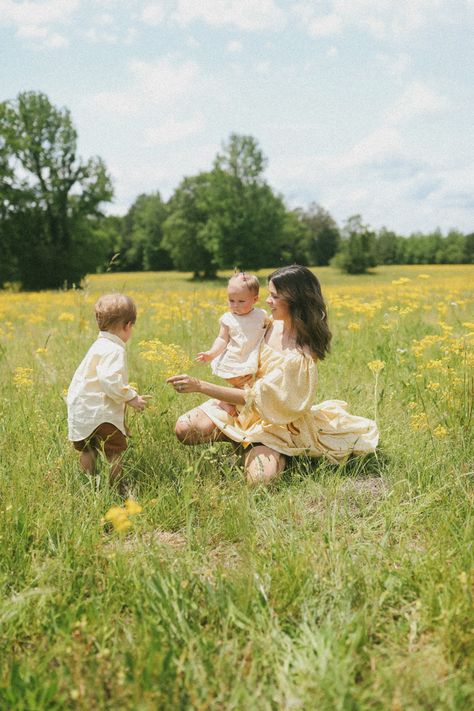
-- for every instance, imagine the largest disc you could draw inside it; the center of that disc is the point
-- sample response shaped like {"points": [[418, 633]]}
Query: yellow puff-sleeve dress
{"points": [[279, 412]]}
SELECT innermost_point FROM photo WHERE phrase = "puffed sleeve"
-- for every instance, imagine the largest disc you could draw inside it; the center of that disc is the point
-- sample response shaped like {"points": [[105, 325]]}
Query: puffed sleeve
{"points": [[111, 371], [226, 320], [286, 392]]}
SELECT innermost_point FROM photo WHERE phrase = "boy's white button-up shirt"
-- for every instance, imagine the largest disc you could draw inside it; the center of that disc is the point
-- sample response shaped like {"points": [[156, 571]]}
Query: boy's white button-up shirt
{"points": [[99, 389]]}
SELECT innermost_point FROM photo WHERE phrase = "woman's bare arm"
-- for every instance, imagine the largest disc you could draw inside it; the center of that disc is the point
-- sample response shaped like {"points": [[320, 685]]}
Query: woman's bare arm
{"points": [[186, 384]]}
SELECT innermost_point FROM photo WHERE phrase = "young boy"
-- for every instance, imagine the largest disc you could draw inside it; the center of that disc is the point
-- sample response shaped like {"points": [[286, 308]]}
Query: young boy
{"points": [[99, 390]]}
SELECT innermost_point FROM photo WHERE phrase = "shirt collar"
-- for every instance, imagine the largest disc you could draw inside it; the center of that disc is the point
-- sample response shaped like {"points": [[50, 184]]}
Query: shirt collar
{"points": [[111, 337]]}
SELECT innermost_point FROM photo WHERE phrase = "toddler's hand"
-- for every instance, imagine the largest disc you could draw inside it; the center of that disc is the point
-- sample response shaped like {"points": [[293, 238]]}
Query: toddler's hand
{"points": [[204, 357], [138, 403]]}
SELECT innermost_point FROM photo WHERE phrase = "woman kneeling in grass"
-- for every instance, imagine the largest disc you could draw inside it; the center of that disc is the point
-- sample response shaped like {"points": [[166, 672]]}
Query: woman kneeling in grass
{"points": [[275, 417]]}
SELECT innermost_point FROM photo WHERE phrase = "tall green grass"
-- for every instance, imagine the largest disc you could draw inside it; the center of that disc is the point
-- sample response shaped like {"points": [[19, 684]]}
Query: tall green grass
{"points": [[346, 587]]}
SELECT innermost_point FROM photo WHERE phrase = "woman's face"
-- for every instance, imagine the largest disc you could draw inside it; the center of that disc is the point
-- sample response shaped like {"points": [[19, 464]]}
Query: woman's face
{"points": [[278, 305]]}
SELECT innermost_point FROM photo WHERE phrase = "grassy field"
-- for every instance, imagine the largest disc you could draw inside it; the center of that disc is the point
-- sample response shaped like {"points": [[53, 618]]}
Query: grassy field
{"points": [[346, 587]]}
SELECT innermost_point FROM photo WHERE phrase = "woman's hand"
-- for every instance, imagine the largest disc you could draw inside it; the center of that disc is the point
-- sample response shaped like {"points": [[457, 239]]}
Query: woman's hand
{"points": [[185, 384]]}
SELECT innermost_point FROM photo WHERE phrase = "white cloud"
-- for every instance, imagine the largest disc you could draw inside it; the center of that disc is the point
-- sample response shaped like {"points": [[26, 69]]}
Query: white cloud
{"points": [[243, 14], [56, 40], [163, 80], [100, 36], [383, 142], [263, 68], [35, 20], [416, 100], [172, 130], [383, 19], [325, 26], [153, 84], [396, 65], [153, 14], [46, 12], [234, 46]]}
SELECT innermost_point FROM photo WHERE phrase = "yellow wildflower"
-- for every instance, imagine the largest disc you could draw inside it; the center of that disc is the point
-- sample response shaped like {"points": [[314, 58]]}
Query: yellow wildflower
{"points": [[169, 357], [23, 377], [353, 326], [118, 516], [419, 422], [123, 525], [66, 316], [376, 366], [132, 507], [440, 431]]}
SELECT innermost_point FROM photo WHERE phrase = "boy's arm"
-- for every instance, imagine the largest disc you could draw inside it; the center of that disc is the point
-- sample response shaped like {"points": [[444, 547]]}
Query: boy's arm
{"points": [[219, 345], [110, 372]]}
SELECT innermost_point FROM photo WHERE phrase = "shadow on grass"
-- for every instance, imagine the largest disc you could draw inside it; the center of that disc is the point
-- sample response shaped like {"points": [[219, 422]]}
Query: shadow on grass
{"points": [[210, 280], [369, 465]]}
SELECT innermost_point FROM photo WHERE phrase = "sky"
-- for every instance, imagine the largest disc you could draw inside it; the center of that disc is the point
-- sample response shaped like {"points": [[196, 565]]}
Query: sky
{"points": [[362, 106]]}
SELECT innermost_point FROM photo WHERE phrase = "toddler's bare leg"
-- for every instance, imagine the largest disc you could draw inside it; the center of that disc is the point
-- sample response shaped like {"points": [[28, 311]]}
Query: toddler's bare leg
{"points": [[228, 406], [263, 465], [88, 460]]}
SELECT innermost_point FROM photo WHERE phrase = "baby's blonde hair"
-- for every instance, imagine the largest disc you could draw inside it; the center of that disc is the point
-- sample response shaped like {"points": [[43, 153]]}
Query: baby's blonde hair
{"points": [[248, 280], [113, 310]]}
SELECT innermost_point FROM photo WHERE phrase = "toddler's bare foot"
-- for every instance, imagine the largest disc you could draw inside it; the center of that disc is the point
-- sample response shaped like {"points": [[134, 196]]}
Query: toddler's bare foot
{"points": [[228, 407]]}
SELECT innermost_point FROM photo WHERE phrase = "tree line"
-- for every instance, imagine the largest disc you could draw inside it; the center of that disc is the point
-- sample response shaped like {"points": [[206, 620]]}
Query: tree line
{"points": [[53, 230]]}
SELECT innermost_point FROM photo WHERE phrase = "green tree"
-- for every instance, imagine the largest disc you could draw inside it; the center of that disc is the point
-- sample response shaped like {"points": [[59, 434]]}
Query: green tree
{"points": [[388, 247], [143, 234], [246, 217], [188, 233], [452, 248], [107, 231], [296, 235], [357, 253], [55, 195], [227, 217], [324, 235], [469, 249]]}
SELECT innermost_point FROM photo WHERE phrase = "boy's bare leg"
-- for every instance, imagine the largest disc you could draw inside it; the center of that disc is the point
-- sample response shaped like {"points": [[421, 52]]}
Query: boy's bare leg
{"points": [[88, 460], [116, 470]]}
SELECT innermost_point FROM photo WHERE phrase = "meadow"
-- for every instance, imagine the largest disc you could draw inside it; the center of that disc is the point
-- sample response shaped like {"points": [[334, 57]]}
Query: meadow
{"points": [[339, 587]]}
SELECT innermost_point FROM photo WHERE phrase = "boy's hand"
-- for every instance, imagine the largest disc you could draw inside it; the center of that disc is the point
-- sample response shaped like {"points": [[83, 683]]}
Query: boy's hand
{"points": [[138, 403], [204, 357]]}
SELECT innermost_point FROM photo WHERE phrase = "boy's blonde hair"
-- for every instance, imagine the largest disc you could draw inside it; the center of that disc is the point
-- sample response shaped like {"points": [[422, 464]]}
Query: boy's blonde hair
{"points": [[113, 310], [248, 280]]}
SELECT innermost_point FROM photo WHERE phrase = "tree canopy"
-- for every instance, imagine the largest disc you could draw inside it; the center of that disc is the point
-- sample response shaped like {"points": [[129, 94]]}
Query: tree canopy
{"points": [[50, 197], [53, 230]]}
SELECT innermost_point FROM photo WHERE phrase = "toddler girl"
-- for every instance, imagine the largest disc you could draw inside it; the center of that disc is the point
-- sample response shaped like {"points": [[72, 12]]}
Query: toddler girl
{"points": [[234, 353]]}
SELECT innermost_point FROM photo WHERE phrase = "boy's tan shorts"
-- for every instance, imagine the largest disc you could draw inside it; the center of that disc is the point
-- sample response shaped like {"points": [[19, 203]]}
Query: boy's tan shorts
{"points": [[107, 437]]}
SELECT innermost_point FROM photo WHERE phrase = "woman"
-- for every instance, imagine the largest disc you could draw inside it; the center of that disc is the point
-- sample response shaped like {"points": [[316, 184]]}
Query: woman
{"points": [[275, 418]]}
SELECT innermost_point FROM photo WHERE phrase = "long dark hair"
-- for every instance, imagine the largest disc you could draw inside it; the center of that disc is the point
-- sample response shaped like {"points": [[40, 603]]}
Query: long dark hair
{"points": [[302, 291]]}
